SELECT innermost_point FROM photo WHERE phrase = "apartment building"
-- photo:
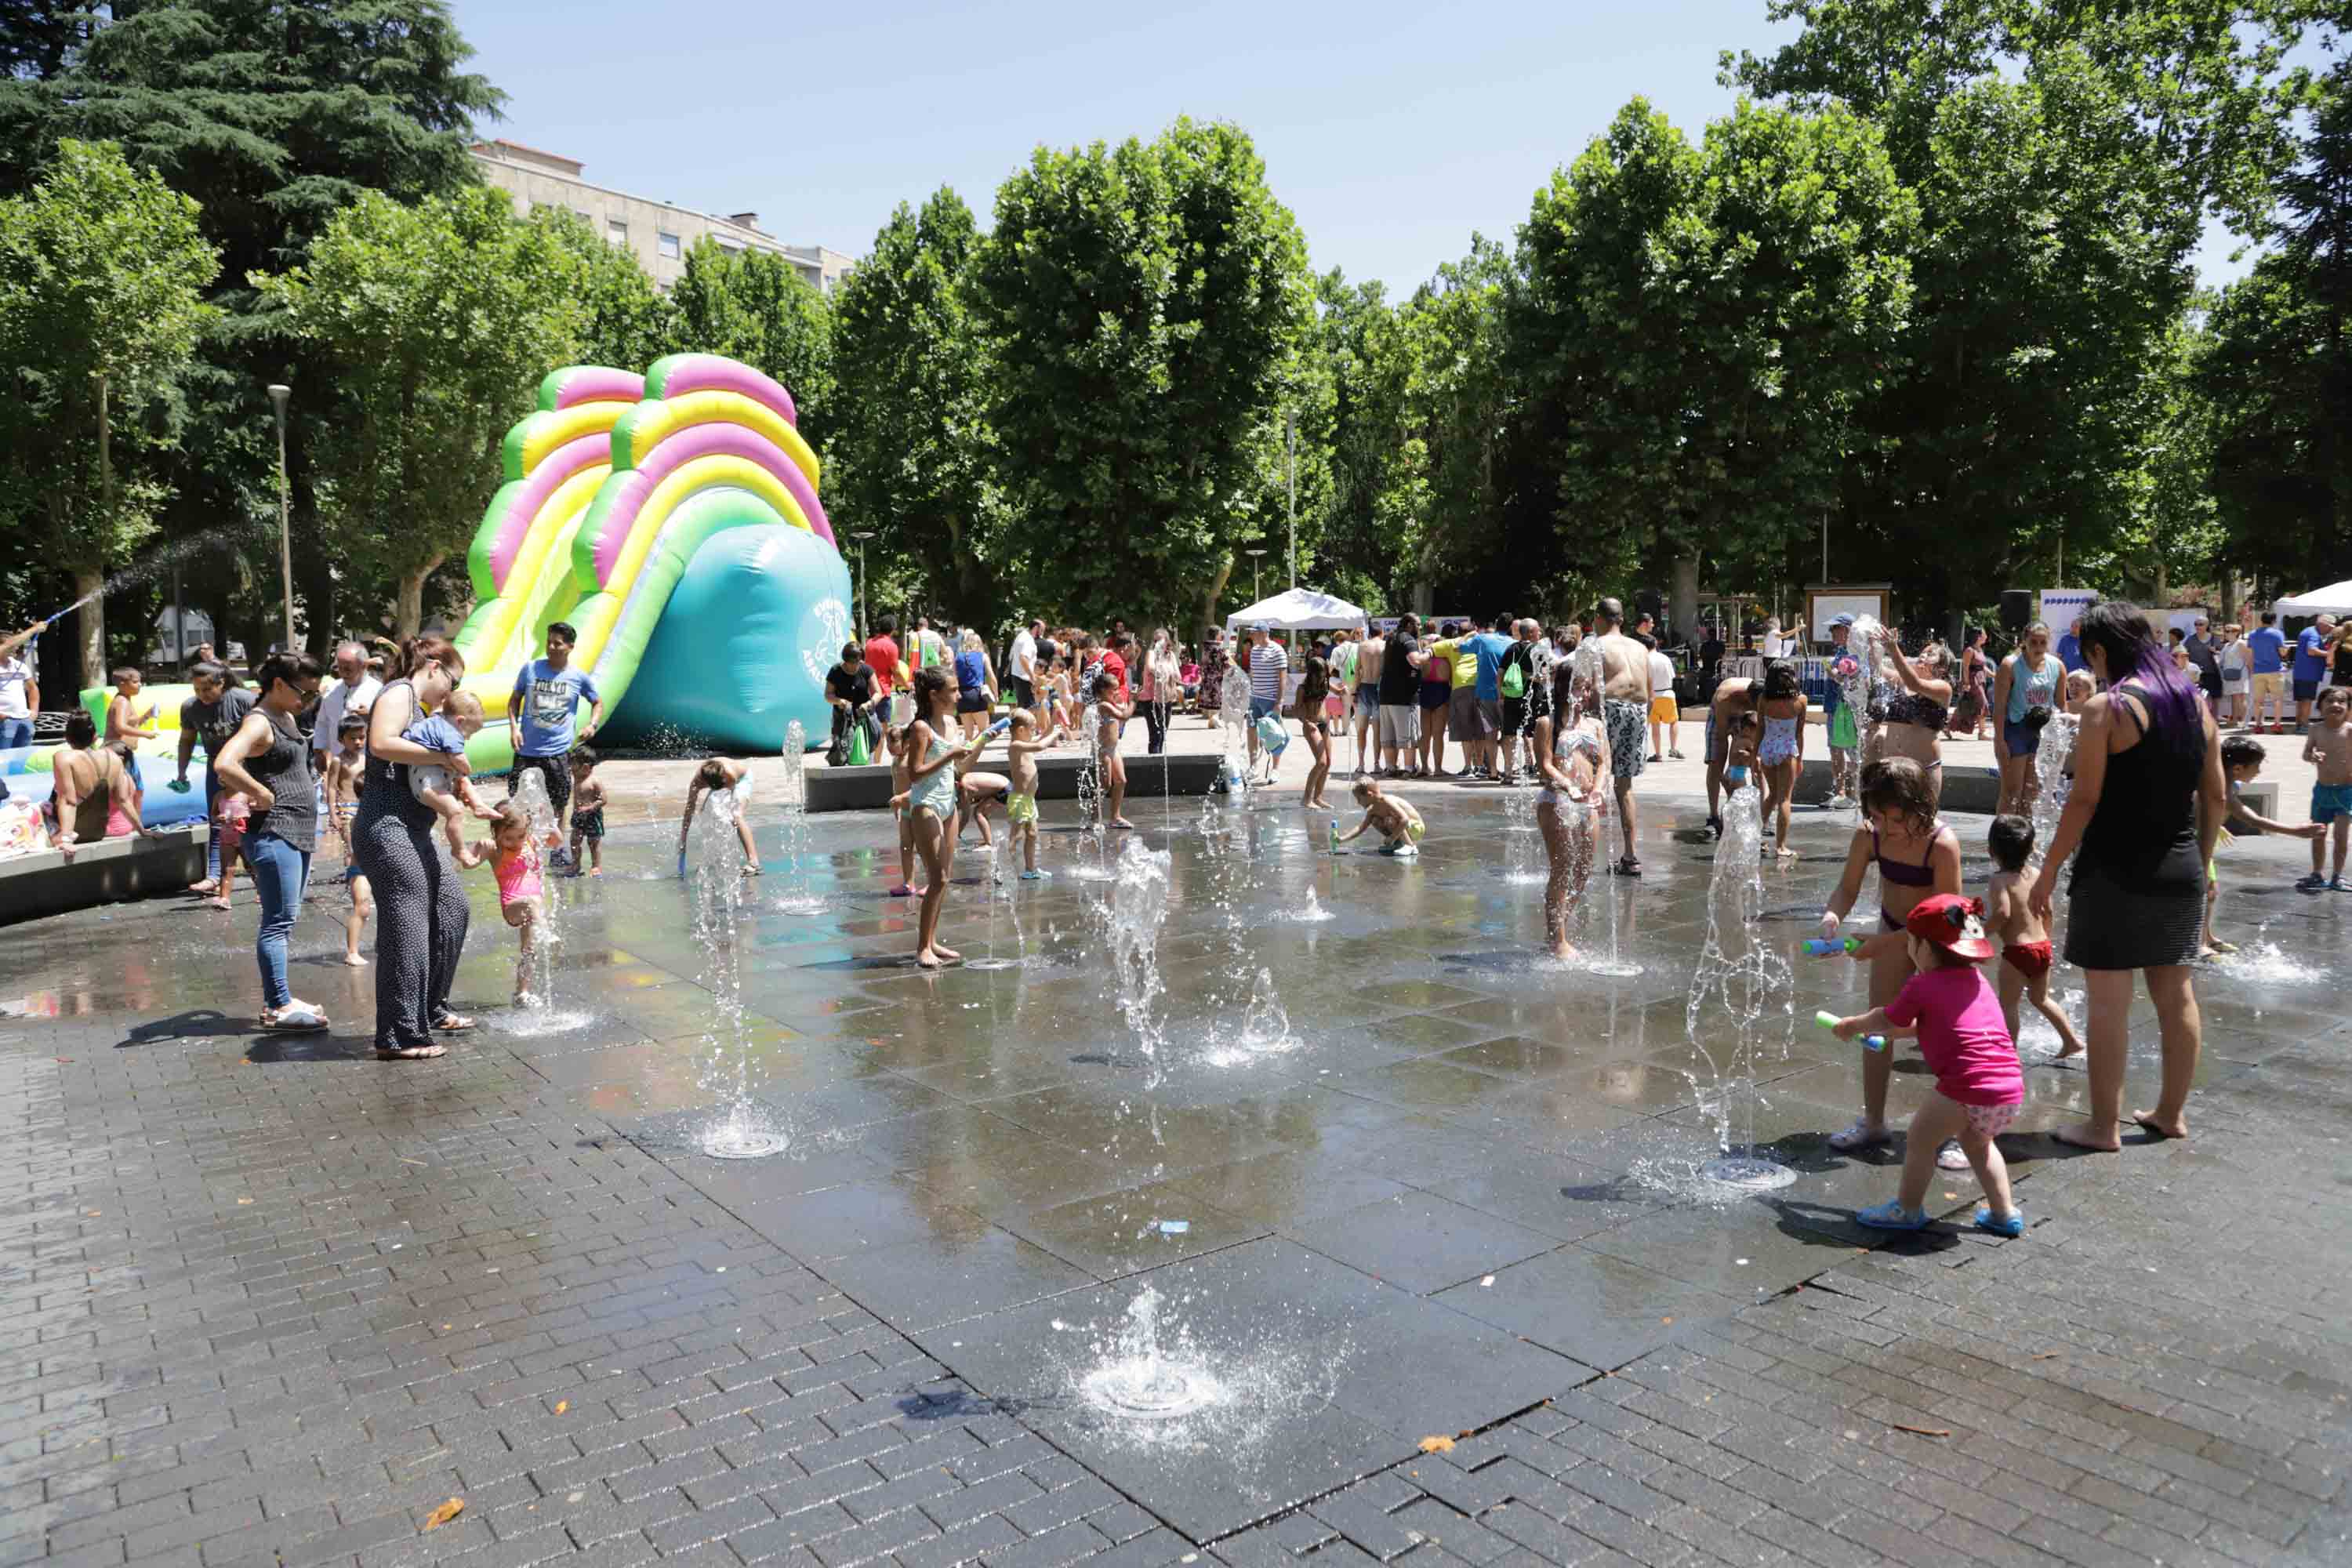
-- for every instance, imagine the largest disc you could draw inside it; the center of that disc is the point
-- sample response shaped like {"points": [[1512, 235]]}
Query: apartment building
{"points": [[659, 234]]}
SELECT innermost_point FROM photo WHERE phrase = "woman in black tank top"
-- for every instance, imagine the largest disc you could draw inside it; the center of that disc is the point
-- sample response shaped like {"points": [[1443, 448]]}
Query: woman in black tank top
{"points": [[268, 760], [2147, 806]]}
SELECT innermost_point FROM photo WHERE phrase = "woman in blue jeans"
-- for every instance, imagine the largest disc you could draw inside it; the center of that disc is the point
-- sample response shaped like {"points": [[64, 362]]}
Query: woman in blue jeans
{"points": [[269, 762]]}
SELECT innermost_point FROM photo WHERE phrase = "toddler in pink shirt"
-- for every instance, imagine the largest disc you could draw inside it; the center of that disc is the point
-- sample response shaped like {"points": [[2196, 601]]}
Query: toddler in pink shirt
{"points": [[1963, 1035]]}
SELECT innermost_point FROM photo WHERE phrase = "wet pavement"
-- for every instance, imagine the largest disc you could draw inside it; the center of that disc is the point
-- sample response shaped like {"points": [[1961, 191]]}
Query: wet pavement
{"points": [[1434, 1239]]}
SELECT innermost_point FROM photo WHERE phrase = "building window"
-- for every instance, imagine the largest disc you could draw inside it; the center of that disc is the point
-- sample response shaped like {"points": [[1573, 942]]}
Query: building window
{"points": [[666, 244], [616, 230], [731, 247]]}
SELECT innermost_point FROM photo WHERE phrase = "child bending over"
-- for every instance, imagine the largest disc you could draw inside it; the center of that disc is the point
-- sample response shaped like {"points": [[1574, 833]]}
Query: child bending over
{"points": [[2241, 759], [1400, 825], [717, 776]]}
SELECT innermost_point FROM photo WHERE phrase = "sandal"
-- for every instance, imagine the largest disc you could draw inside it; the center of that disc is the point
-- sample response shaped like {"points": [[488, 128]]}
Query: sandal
{"points": [[1891, 1215], [2011, 1225], [1951, 1157], [294, 1018], [409, 1053], [216, 903], [1628, 866], [1862, 1134], [452, 1023]]}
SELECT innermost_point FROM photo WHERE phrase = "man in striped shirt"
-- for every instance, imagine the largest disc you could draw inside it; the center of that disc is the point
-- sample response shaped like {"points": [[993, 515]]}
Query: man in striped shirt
{"points": [[1267, 665]]}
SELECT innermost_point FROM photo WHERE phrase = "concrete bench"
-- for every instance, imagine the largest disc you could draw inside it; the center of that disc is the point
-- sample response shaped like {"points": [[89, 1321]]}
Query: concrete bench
{"points": [[2261, 798], [1966, 788], [48, 882]]}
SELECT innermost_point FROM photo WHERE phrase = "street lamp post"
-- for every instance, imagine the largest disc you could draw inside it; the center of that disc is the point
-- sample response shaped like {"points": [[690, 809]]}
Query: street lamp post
{"points": [[1290, 484], [1253, 566], [278, 396], [862, 535]]}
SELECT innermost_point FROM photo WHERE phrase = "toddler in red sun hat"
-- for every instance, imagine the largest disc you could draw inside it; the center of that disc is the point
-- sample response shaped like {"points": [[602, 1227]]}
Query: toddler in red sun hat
{"points": [[1956, 1015]]}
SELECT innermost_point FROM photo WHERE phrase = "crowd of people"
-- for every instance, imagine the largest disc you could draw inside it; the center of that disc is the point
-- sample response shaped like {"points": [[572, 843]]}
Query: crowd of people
{"points": [[1577, 710]]}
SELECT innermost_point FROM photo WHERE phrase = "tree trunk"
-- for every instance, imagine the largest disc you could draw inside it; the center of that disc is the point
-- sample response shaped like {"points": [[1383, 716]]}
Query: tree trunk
{"points": [[2160, 594], [87, 581], [408, 607], [1209, 600], [1682, 594]]}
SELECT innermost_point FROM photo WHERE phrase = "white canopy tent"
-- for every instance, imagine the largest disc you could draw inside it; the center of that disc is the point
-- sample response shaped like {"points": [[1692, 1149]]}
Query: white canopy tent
{"points": [[1297, 610], [2336, 599]]}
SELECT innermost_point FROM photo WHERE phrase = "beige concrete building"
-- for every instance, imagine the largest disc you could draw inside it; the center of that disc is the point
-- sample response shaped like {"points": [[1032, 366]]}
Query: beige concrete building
{"points": [[658, 234]]}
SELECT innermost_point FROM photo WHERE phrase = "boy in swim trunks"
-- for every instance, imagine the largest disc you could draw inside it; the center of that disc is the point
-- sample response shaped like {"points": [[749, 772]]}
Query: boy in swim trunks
{"points": [[2328, 748], [2009, 920], [1401, 825], [2241, 759], [1020, 749], [587, 810]]}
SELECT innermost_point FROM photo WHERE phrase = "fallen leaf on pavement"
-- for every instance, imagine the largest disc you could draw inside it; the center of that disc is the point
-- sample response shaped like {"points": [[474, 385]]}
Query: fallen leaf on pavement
{"points": [[1437, 1445], [561, 1405], [445, 1513]]}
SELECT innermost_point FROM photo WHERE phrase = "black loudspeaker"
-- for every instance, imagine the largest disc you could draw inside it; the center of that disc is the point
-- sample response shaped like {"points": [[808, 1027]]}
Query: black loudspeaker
{"points": [[2016, 609]]}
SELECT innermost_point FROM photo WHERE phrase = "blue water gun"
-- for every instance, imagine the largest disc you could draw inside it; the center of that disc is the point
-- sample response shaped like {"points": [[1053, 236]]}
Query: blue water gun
{"points": [[1870, 1042], [1830, 946]]}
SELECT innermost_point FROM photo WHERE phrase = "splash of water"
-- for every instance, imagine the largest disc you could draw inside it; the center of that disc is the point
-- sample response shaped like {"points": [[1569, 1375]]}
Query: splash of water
{"points": [[1142, 1381], [2267, 963], [799, 896], [2054, 783], [1311, 912], [538, 982], [715, 885], [1132, 917], [162, 561], [1740, 977]]}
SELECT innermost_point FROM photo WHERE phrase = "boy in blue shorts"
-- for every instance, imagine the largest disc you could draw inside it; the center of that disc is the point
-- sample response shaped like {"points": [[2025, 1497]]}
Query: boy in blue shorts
{"points": [[2328, 748]]}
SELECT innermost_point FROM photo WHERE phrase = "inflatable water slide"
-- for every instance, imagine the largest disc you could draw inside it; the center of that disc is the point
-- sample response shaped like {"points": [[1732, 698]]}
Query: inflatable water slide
{"points": [[672, 519]]}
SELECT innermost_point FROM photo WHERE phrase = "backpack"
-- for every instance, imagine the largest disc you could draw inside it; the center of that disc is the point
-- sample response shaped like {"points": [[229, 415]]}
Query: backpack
{"points": [[1514, 679]]}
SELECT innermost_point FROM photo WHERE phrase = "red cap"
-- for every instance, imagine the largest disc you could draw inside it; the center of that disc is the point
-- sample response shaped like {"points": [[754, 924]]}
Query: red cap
{"points": [[1954, 924]]}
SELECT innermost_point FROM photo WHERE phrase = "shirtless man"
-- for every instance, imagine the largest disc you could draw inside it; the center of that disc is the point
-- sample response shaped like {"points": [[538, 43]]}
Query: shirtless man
{"points": [[1734, 695], [1366, 698], [1626, 712]]}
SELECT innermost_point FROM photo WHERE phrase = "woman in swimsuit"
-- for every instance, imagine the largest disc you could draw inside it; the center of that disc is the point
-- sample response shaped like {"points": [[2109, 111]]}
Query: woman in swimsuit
{"points": [[1913, 724], [1916, 855], [1781, 755], [1573, 753]]}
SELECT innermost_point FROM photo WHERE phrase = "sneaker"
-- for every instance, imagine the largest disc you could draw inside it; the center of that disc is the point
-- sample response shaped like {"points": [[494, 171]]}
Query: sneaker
{"points": [[1036, 876], [1656, 757], [1672, 753], [2314, 883], [2339, 885], [1951, 1156], [2011, 1225], [1714, 826]]}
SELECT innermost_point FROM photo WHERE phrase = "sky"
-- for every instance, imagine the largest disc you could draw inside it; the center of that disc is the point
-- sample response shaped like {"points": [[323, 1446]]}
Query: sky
{"points": [[1393, 132]]}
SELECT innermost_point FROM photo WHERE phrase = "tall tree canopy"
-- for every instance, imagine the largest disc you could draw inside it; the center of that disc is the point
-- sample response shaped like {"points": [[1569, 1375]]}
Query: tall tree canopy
{"points": [[1702, 325], [438, 321], [1139, 302], [102, 274], [917, 456]]}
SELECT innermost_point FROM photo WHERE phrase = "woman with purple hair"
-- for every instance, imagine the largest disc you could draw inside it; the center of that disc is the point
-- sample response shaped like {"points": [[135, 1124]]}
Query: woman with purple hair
{"points": [[2147, 804]]}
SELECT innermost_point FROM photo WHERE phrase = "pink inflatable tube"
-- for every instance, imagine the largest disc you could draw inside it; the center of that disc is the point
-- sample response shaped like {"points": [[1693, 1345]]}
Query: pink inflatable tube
{"points": [[557, 466], [580, 384], [621, 503], [681, 373]]}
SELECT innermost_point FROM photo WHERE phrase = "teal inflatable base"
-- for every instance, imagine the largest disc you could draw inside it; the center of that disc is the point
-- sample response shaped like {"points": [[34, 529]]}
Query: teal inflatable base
{"points": [[756, 619]]}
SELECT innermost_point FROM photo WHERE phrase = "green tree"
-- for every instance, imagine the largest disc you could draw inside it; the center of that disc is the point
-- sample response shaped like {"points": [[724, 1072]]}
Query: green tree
{"points": [[1700, 326], [626, 322], [755, 306], [2277, 380], [273, 115], [1143, 304], [916, 458], [103, 273], [2065, 155], [438, 321]]}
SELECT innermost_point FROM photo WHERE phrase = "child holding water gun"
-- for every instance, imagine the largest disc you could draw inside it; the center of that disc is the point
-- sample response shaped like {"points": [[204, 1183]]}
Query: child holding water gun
{"points": [[1951, 1009]]}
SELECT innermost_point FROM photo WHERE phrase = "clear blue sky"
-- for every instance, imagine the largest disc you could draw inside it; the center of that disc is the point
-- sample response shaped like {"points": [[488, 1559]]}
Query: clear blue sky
{"points": [[1392, 130]]}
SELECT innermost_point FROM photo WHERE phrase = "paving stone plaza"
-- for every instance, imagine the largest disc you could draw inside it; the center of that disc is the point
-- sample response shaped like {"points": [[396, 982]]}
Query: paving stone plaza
{"points": [[1430, 1238]]}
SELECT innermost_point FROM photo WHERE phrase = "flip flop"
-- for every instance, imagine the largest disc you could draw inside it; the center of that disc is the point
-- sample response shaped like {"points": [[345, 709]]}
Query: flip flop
{"points": [[409, 1053], [1860, 1135], [452, 1024], [295, 1021]]}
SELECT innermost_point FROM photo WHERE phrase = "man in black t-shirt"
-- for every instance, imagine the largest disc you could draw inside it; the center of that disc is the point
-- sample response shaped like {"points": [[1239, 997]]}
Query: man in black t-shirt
{"points": [[849, 687]]}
